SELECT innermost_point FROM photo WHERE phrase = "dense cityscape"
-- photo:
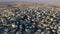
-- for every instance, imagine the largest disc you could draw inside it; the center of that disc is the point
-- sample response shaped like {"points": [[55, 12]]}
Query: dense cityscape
{"points": [[25, 20]]}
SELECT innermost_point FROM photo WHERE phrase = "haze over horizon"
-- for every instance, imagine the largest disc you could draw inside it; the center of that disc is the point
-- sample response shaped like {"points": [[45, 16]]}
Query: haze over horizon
{"points": [[31, 0]]}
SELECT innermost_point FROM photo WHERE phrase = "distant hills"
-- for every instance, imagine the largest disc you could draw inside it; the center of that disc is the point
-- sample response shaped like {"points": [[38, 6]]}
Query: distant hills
{"points": [[16, 4], [5, 5]]}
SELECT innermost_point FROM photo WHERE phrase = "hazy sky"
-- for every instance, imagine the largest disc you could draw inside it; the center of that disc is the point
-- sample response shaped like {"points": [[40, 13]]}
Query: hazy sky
{"points": [[31, 0]]}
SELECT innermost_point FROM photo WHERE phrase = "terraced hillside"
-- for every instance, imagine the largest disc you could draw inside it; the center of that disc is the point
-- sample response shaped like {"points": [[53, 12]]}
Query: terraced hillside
{"points": [[35, 19]]}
